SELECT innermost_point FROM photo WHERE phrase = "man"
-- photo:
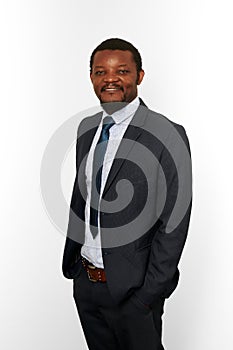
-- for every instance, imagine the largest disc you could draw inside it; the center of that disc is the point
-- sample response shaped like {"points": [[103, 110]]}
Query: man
{"points": [[122, 247]]}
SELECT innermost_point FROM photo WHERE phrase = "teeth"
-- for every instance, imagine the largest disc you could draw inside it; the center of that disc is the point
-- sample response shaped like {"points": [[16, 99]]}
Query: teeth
{"points": [[111, 89]]}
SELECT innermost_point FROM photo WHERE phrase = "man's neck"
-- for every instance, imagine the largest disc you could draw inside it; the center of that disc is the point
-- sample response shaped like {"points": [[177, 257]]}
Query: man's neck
{"points": [[112, 107]]}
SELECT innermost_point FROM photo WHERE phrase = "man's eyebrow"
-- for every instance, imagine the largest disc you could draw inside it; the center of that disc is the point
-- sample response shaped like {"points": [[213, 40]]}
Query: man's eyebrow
{"points": [[120, 65]]}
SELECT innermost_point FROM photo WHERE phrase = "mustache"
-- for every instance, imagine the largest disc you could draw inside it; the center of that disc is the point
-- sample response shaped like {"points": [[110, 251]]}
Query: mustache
{"points": [[111, 86]]}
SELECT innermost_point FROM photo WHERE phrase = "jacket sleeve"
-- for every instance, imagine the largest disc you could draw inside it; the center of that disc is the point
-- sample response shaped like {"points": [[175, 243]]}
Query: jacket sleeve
{"points": [[162, 270], [71, 258], [71, 255]]}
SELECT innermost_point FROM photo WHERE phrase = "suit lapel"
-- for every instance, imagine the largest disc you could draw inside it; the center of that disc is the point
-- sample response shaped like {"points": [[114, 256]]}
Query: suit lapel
{"points": [[87, 134]]}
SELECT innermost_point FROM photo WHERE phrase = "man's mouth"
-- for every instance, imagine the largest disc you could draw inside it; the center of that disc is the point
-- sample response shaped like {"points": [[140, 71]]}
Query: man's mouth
{"points": [[111, 88]]}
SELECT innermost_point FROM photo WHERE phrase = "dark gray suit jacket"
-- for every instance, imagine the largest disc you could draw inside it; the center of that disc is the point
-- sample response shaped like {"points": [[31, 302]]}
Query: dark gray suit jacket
{"points": [[142, 261]]}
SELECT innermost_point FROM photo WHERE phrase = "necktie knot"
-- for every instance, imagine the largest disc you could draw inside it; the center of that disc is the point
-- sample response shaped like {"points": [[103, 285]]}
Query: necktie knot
{"points": [[108, 122]]}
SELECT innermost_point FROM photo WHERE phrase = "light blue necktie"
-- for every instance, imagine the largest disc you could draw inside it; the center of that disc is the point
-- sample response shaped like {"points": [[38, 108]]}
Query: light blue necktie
{"points": [[98, 159]]}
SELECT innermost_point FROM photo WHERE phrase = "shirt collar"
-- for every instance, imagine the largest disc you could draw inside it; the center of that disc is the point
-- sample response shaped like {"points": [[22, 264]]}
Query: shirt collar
{"points": [[124, 113]]}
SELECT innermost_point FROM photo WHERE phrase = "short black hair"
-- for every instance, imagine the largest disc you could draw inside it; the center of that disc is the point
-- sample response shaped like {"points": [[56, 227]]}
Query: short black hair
{"points": [[118, 44]]}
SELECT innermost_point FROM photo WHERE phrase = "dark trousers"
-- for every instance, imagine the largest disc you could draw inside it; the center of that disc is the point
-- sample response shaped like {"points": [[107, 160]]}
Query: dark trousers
{"points": [[108, 326]]}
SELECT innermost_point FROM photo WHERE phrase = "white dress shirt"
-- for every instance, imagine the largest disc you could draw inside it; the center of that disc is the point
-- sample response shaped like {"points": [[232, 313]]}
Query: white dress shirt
{"points": [[91, 250]]}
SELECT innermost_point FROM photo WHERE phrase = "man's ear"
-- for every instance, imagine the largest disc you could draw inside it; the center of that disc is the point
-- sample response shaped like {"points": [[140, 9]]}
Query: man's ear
{"points": [[91, 76], [140, 76]]}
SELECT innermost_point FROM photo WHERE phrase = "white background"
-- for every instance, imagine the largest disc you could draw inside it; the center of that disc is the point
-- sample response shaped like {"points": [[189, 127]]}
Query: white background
{"points": [[186, 48]]}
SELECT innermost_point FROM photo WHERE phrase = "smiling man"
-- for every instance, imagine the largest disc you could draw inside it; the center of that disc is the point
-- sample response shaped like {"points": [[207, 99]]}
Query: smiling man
{"points": [[122, 259], [115, 76]]}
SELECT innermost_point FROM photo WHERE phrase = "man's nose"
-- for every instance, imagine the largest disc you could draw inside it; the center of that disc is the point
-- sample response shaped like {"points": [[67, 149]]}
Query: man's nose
{"points": [[111, 77]]}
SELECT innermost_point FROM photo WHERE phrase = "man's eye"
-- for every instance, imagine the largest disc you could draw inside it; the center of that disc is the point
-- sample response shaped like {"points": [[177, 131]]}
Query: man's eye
{"points": [[123, 71], [99, 72]]}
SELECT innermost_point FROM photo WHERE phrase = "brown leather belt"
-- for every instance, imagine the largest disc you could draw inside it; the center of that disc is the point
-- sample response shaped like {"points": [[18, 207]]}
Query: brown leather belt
{"points": [[95, 274]]}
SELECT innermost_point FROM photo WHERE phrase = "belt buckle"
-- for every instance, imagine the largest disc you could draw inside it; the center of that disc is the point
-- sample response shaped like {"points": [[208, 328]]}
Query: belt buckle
{"points": [[91, 267]]}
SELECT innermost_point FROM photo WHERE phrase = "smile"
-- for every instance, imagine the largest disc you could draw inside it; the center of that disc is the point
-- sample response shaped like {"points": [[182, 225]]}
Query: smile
{"points": [[111, 89]]}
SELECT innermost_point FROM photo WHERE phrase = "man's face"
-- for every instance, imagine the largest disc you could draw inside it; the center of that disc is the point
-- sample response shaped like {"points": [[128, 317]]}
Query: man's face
{"points": [[114, 76]]}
